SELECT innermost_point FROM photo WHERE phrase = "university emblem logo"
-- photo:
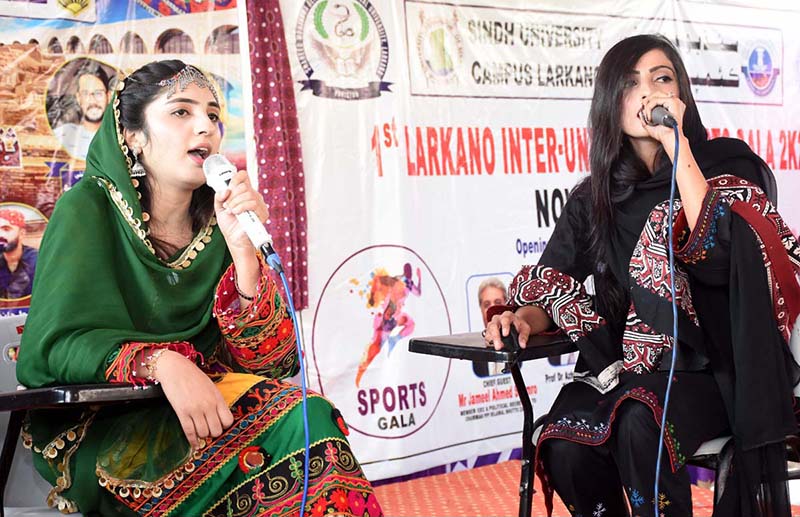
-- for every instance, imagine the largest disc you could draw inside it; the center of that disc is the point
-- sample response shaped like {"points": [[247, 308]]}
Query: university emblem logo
{"points": [[760, 71], [440, 48], [343, 49]]}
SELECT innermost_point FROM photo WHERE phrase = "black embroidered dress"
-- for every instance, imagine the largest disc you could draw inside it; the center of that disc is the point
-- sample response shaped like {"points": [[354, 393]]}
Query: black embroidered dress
{"points": [[737, 298]]}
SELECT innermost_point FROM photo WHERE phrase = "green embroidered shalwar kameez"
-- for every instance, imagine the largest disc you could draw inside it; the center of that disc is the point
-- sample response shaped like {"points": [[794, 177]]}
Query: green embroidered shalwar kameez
{"points": [[100, 295]]}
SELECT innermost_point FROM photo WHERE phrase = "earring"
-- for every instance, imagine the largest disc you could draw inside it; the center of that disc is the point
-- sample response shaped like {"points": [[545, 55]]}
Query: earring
{"points": [[137, 169]]}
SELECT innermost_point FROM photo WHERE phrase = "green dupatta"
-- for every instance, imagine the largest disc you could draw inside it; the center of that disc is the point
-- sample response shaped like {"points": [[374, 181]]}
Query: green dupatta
{"points": [[99, 283]]}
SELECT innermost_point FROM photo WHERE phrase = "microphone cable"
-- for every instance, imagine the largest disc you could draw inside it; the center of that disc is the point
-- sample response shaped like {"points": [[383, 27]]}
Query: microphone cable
{"points": [[671, 250], [275, 263], [218, 171]]}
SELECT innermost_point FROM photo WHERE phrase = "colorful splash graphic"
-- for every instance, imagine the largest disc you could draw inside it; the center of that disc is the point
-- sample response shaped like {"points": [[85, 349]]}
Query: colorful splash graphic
{"points": [[391, 324]]}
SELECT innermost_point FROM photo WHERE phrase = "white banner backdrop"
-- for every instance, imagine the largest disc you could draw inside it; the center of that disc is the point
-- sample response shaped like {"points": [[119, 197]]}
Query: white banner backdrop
{"points": [[440, 143]]}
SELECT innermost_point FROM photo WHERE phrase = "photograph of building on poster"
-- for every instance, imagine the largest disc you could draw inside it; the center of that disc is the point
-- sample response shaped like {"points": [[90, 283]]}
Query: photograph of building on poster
{"points": [[57, 76]]}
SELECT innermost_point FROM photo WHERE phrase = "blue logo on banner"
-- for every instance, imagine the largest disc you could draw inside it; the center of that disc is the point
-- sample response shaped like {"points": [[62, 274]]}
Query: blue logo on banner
{"points": [[760, 71]]}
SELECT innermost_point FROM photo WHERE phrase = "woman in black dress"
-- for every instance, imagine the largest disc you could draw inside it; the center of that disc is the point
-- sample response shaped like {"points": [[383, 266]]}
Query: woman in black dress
{"points": [[736, 292]]}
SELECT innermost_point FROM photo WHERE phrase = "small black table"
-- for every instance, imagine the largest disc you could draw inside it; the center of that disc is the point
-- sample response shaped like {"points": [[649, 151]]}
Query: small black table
{"points": [[472, 347], [18, 402]]}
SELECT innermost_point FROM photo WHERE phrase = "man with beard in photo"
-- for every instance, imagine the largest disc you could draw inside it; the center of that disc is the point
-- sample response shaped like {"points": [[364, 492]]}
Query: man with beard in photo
{"points": [[18, 262], [92, 97]]}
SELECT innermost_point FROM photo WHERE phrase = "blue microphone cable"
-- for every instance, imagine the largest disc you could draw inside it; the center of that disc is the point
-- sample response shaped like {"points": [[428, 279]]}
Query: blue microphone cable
{"points": [[670, 248], [275, 263]]}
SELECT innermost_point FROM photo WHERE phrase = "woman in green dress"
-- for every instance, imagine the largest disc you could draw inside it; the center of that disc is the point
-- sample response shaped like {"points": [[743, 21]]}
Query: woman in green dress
{"points": [[145, 276]]}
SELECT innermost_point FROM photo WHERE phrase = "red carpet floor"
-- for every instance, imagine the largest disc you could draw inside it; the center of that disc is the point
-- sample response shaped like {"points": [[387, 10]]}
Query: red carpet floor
{"points": [[490, 490]]}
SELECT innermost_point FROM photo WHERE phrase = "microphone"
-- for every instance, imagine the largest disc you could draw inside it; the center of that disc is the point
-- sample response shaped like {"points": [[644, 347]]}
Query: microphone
{"points": [[219, 171], [660, 116]]}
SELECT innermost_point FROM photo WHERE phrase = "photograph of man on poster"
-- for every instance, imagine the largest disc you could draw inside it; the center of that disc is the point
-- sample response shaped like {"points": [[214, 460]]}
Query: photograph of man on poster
{"points": [[18, 261], [76, 109], [491, 292]]}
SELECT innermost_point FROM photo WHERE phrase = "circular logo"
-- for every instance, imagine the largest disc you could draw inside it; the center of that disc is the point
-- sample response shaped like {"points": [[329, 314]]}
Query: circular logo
{"points": [[760, 71], [342, 48], [373, 303]]}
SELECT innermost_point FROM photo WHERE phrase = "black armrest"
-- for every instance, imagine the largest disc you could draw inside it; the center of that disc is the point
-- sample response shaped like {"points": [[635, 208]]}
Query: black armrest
{"points": [[472, 346], [57, 396], [17, 402]]}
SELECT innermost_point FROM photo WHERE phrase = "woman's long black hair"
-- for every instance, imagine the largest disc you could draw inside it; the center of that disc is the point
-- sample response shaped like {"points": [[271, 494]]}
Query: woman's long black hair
{"points": [[615, 167], [141, 88]]}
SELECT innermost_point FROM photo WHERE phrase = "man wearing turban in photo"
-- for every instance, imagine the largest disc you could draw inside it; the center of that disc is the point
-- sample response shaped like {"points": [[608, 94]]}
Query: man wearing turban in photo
{"points": [[18, 262]]}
